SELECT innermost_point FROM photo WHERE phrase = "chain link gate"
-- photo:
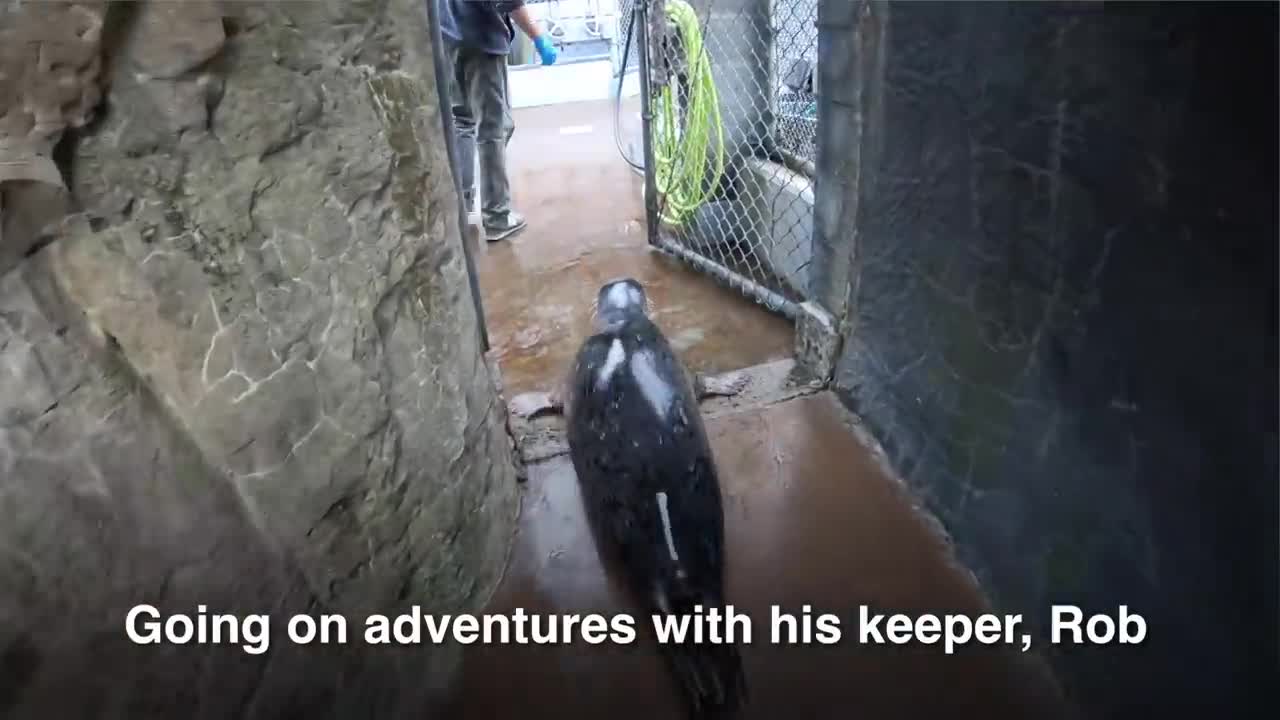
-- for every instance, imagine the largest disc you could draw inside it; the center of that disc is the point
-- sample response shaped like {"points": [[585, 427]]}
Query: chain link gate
{"points": [[730, 117]]}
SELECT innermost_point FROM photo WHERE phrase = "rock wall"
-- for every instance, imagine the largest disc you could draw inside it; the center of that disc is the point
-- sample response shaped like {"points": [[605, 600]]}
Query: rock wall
{"points": [[50, 67], [1051, 232], [246, 372]]}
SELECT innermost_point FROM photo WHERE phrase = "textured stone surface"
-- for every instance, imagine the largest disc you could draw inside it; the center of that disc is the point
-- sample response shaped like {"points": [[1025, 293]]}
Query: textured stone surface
{"points": [[50, 62], [817, 345], [1053, 230], [248, 374]]}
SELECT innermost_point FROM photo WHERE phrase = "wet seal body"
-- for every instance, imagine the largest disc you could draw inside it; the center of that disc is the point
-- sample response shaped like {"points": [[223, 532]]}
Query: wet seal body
{"points": [[649, 483]]}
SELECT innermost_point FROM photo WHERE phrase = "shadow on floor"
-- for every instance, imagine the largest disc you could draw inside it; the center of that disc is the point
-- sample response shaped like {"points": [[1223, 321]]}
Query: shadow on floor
{"points": [[810, 519], [586, 226]]}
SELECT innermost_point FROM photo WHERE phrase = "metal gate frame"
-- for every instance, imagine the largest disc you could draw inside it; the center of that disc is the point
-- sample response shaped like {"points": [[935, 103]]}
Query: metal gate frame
{"points": [[648, 22], [443, 78]]}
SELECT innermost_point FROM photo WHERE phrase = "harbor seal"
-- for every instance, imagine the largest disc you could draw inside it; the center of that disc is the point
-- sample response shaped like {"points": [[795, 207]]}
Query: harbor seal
{"points": [[535, 403], [649, 484]]}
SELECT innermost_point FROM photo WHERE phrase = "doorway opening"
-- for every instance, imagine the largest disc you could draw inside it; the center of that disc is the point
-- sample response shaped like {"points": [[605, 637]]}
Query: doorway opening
{"points": [[719, 230]]}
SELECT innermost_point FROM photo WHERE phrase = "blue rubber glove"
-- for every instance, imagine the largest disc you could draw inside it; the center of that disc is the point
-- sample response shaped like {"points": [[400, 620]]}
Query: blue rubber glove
{"points": [[546, 50]]}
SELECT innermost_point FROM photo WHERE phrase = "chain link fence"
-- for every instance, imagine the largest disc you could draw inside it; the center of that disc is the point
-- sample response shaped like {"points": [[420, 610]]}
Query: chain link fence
{"points": [[796, 57], [624, 34], [734, 131]]}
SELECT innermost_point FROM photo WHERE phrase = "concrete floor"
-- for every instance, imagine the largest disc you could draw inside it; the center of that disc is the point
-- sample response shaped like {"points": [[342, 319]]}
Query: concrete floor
{"points": [[535, 85], [586, 226], [810, 519], [810, 516]]}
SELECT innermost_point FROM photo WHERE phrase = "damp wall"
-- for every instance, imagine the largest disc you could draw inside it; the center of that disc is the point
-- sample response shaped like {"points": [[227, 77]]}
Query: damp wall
{"points": [[1049, 232]]}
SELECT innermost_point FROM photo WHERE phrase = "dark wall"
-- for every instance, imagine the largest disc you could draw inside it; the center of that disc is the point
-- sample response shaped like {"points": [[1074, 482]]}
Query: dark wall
{"points": [[1052, 232]]}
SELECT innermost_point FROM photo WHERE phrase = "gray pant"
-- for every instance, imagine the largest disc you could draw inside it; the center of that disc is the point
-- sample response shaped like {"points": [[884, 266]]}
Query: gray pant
{"points": [[482, 120]]}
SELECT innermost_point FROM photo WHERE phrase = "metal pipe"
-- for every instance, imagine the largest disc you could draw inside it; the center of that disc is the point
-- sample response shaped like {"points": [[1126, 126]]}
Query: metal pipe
{"points": [[444, 77], [770, 299], [641, 30]]}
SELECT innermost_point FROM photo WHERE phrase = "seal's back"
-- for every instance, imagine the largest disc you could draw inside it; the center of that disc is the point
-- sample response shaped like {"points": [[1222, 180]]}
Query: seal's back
{"points": [[650, 488]]}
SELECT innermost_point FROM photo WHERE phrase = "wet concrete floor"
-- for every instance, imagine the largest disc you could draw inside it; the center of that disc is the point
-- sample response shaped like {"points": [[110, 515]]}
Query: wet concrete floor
{"points": [[585, 211], [810, 519]]}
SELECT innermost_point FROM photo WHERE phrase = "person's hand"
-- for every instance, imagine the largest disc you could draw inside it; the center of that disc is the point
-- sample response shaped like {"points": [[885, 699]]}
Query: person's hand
{"points": [[546, 50]]}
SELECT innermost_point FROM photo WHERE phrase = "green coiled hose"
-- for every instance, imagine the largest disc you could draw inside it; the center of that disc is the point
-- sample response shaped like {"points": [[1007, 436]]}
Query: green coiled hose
{"points": [[689, 160]]}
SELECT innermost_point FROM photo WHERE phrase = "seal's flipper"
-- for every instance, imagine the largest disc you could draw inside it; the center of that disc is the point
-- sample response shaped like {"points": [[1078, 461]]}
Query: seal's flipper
{"points": [[531, 404], [711, 675], [726, 385]]}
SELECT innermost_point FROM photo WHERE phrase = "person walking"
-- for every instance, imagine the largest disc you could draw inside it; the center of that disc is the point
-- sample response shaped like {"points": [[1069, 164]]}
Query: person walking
{"points": [[477, 36]]}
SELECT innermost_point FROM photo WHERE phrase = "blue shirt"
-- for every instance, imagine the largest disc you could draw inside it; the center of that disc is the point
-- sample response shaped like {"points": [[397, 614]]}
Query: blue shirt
{"points": [[483, 25]]}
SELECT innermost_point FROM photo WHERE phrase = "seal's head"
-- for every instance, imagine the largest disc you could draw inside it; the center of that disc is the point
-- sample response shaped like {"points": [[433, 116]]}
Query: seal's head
{"points": [[619, 301]]}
